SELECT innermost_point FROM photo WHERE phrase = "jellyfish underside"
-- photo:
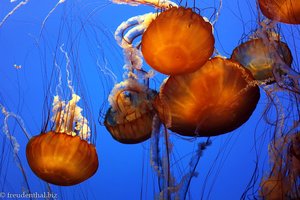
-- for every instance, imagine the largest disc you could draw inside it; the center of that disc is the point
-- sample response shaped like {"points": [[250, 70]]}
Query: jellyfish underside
{"points": [[256, 56], [131, 121], [216, 99], [183, 52], [286, 11]]}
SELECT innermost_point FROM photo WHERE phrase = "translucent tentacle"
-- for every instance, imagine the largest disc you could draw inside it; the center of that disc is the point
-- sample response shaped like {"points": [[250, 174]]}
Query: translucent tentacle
{"points": [[159, 4], [22, 3], [50, 12], [186, 179], [155, 159], [285, 76], [14, 141], [125, 35], [68, 69]]}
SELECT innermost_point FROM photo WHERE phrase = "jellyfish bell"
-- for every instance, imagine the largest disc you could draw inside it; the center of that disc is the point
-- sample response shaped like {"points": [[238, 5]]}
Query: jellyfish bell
{"points": [[216, 99], [178, 41], [64, 156], [129, 119], [258, 57], [286, 11], [61, 159]]}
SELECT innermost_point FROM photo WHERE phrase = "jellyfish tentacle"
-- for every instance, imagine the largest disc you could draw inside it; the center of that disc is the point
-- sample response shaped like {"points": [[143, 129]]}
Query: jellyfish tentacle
{"points": [[126, 33], [281, 71], [21, 4], [158, 4], [58, 88], [66, 115], [48, 15], [13, 141], [103, 68], [68, 69], [186, 179]]}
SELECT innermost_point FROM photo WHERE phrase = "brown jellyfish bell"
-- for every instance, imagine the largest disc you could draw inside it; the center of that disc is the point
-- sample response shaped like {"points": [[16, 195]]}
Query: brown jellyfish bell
{"points": [[261, 56], [64, 156], [129, 119], [216, 99], [178, 41], [286, 11]]}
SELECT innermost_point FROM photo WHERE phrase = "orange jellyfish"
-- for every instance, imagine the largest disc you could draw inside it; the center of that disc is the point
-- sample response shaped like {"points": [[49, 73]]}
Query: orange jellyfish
{"points": [[258, 57], [178, 41], [286, 11], [217, 98], [64, 156], [129, 119]]}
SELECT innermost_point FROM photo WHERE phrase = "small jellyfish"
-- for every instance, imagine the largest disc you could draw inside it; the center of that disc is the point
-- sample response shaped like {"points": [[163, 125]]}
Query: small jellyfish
{"points": [[129, 119], [216, 99], [286, 11], [64, 156], [258, 57], [178, 41]]}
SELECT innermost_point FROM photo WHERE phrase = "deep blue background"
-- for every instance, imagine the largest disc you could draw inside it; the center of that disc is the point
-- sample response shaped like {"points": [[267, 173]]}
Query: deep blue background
{"points": [[125, 171]]}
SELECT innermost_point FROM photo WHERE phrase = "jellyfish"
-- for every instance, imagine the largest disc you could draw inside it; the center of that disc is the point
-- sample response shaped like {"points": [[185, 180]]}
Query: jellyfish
{"points": [[129, 119], [256, 56], [178, 41], [63, 156], [216, 99], [286, 11]]}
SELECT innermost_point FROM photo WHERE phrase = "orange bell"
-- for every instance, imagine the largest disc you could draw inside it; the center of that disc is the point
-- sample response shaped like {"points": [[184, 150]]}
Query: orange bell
{"points": [[216, 99], [258, 57], [61, 159], [178, 41]]}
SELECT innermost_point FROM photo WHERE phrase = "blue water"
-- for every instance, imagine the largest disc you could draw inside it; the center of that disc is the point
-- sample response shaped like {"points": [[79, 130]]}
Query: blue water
{"points": [[28, 53]]}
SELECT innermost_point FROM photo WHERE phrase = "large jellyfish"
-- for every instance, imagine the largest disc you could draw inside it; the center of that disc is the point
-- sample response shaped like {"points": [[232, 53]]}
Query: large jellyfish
{"points": [[215, 99], [178, 41]]}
